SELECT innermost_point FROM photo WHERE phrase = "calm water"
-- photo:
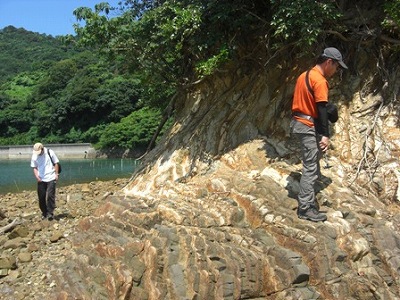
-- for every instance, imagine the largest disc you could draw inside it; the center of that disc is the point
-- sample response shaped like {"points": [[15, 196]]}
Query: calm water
{"points": [[17, 175]]}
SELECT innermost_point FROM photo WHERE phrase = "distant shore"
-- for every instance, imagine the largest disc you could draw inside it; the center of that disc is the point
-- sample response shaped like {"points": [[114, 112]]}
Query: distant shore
{"points": [[69, 151], [63, 151]]}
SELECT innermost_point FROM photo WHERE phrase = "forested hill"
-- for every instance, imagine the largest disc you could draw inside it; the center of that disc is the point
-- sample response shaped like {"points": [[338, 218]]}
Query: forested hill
{"points": [[23, 50], [55, 92]]}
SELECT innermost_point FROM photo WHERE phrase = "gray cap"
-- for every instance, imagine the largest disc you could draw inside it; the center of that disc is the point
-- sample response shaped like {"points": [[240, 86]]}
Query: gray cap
{"points": [[334, 53]]}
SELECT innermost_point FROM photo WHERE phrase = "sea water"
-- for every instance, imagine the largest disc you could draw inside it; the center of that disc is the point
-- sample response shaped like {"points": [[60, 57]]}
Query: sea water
{"points": [[17, 175]]}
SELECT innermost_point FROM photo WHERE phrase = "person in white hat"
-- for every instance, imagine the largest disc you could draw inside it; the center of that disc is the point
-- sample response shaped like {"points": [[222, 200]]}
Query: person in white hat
{"points": [[311, 112], [46, 169]]}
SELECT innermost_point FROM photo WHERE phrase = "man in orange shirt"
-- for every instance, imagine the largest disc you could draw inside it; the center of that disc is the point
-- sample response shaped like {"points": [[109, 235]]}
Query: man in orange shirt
{"points": [[310, 125]]}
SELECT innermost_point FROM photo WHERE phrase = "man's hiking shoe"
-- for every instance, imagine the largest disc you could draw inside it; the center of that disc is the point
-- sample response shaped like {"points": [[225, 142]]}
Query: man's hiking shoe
{"points": [[49, 217], [311, 214]]}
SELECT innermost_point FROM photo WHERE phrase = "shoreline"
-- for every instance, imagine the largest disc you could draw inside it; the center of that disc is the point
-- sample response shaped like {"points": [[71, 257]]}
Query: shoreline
{"points": [[60, 189], [70, 151], [63, 151]]}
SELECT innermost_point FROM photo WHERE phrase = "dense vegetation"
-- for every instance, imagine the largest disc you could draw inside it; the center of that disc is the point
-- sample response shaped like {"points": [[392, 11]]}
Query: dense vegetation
{"points": [[56, 93], [152, 50]]}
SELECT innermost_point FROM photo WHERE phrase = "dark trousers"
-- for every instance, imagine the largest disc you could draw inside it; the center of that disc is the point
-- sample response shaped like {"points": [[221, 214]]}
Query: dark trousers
{"points": [[47, 197]]}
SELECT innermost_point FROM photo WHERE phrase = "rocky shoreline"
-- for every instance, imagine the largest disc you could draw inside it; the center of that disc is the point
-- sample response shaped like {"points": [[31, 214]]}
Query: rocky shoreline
{"points": [[30, 247], [230, 231]]}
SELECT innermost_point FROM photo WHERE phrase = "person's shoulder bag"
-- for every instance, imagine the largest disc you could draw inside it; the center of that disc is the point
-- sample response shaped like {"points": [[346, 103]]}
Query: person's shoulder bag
{"points": [[59, 165]]}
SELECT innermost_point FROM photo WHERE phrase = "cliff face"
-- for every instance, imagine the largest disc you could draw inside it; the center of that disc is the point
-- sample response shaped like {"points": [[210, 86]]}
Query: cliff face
{"points": [[213, 213]]}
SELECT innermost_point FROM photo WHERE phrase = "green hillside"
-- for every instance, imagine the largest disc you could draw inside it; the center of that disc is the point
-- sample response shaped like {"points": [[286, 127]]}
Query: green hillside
{"points": [[58, 93], [22, 51], [143, 57]]}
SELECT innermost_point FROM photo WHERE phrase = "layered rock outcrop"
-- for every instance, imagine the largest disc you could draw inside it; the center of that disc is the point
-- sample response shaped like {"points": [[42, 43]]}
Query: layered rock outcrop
{"points": [[212, 213], [233, 233]]}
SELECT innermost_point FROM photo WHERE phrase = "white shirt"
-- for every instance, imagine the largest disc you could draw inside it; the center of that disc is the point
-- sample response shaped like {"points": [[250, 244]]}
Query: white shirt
{"points": [[44, 165]]}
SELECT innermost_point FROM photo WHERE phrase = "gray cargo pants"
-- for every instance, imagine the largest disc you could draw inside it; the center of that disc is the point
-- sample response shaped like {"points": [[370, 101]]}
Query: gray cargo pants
{"points": [[311, 155]]}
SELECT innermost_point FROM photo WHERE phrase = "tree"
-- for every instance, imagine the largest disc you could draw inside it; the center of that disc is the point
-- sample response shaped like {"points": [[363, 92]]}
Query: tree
{"points": [[118, 97], [177, 42], [134, 131], [301, 22], [14, 119], [58, 77], [25, 51]]}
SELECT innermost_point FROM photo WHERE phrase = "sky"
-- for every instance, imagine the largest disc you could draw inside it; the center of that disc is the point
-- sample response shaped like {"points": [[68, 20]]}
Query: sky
{"points": [[52, 17]]}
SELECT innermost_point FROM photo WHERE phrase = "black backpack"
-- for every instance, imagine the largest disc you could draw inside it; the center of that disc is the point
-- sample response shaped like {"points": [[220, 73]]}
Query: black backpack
{"points": [[59, 165]]}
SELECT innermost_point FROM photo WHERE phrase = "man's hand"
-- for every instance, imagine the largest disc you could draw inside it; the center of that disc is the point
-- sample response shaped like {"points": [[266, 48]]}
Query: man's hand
{"points": [[36, 173], [324, 143]]}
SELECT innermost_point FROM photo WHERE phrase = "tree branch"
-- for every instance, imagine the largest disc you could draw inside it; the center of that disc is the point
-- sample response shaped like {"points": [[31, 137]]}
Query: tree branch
{"points": [[10, 226], [338, 34], [389, 39]]}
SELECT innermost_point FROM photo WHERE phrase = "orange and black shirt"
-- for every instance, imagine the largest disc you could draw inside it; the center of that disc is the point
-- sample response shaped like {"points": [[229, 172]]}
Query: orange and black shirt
{"points": [[303, 101]]}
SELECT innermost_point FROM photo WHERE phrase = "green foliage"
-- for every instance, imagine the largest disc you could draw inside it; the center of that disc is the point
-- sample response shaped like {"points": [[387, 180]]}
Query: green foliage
{"points": [[153, 44], [117, 97], [167, 40], [73, 136], [301, 20], [71, 100], [392, 10], [172, 43], [85, 96], [25, 138], [150, 51], [15, 116], [93, 134], [57, 79], [209, 66], [22, 85], [134, 131], [25, 51]]}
